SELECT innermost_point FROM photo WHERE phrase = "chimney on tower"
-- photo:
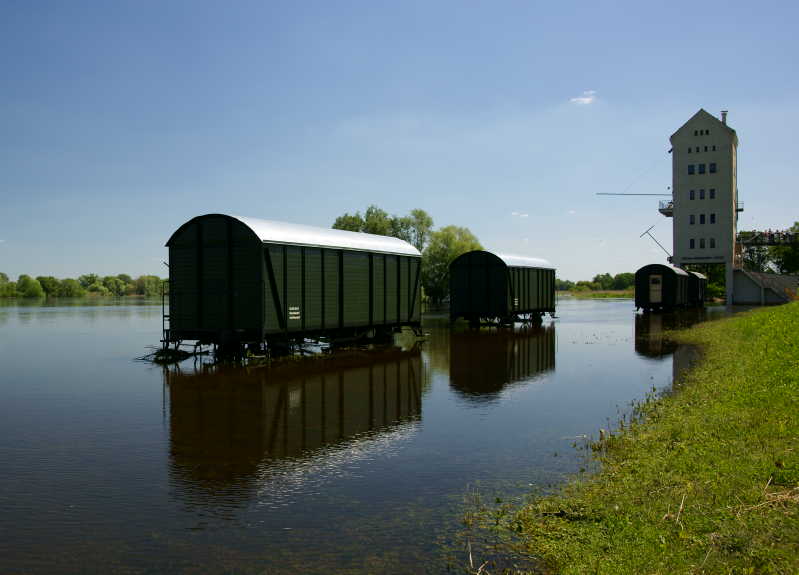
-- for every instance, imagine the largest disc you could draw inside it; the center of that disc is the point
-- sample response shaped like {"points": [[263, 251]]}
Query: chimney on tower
{"points": [[724, 117]]}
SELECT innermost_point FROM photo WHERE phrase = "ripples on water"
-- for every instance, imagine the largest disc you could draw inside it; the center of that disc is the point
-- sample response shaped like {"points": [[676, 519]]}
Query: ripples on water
{"points": [[355, 463]]}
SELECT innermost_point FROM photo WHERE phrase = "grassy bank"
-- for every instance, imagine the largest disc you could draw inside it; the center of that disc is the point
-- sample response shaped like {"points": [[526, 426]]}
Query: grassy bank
{"points": [[600, 294], [705, 480]]}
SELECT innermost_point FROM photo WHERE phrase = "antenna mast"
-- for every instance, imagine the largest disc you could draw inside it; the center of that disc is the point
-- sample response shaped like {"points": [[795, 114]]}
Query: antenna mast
{"points": [[654, 239]]}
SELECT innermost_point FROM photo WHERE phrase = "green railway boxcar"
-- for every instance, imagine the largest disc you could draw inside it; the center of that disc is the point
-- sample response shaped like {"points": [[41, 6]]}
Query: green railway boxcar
{"points": [[244, 280], [661, 287], [697, 288], [483, 285]]}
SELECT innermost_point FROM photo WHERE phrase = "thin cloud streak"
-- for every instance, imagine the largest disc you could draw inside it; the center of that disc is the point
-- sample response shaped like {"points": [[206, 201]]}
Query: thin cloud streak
{"points": [[588, 97]]}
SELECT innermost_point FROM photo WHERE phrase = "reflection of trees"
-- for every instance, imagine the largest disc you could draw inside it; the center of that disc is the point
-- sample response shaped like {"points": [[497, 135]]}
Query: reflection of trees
{"points": [[228, 425], [484, 362], [437, 334]]}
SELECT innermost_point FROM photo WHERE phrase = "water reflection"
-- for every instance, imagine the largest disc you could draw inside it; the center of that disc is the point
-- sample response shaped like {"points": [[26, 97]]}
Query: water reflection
{"points": [[652, 336], [651, 329], [233, 427], [484, 362]]}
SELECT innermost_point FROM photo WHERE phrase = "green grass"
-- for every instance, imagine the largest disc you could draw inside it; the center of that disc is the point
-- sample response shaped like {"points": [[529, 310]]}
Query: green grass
{"points": [[704, 480]]}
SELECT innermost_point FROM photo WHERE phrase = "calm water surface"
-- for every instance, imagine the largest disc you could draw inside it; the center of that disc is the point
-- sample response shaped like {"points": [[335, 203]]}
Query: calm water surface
{"points": [[355, 463]]}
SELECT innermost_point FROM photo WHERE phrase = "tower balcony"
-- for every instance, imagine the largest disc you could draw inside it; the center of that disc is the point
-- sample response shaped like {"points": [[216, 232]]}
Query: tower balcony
{"points": [[666, 208]]}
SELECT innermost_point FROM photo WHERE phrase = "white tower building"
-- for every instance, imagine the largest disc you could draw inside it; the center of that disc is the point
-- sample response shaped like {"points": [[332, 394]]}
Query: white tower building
{"points": [[704, 204]]}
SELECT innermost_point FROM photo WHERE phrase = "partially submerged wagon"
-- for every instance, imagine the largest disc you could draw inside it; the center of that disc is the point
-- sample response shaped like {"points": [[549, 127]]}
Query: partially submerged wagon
{"points": [[236, 280], [661, 287], [697, 288], [484, 286]]}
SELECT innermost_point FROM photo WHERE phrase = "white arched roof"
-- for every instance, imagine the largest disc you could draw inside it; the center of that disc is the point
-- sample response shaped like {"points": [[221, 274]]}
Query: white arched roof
{"points": [[524, 261], [273, 232]]}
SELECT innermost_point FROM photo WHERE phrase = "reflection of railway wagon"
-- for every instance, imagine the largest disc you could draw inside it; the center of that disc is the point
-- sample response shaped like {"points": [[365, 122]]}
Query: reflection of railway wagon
{"points": [[228, 423], [661, 287], [237, 280], [483, 285], [651, 330], [697, 287], [483, 363]]}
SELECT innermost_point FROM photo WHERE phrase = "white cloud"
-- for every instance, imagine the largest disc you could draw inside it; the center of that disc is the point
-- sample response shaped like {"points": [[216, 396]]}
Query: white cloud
{"points": [[519, 215], [588, 97], [572, 212]]}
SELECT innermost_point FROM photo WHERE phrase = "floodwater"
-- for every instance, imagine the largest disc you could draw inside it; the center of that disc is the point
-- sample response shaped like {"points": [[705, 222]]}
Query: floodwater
{"points": [[360, 462]]}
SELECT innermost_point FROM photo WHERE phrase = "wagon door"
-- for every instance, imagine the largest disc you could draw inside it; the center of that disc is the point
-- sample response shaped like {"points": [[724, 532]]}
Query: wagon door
{"points": [[656, 288]]}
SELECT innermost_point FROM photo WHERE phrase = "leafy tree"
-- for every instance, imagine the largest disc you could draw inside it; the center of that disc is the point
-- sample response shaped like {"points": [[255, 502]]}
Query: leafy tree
{"points": [[98, 288], [148, 285], [421, 225], [757, 258], [115, 285], [401, 228], [88, 279], [445, 245], [29, 287], [3, 278], [623, 281], [376, 221], [50, 285], [414, 228], [583, 285], [125, 278], [786, 257], [8, 289], [70, 288], [350, 223], [563, 285], [603, 281]]}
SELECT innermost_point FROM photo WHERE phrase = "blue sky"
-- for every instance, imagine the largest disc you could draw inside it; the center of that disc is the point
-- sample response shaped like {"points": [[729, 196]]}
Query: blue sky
{"points": [[121, 120]]}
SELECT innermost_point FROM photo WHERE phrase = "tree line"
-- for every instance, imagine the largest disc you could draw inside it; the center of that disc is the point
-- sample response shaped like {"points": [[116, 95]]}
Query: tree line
{"points": [[601, 282], [88, 284]]}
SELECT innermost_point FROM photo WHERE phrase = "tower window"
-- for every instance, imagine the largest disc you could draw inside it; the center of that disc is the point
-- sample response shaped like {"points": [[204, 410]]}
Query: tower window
{"points": [[701, 194], [701, 168], [689, 149], [701, 218], [714, 148], [701, 243], [691, 169], [712, 193], [712, 242], [706, 148], [691, 195], [696, 132], [712, 219], [691, 244], [713, 167], [692, 219], [697, 149]]}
